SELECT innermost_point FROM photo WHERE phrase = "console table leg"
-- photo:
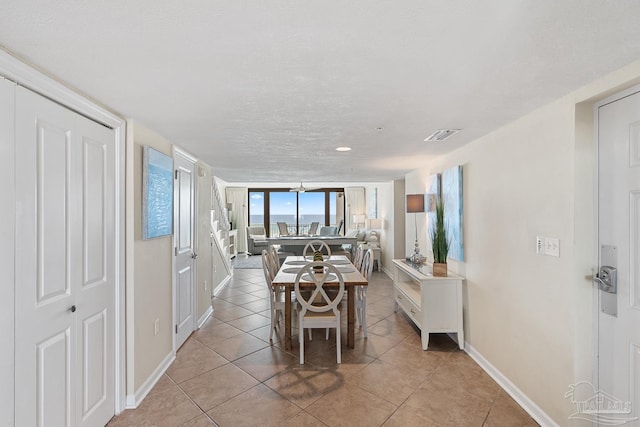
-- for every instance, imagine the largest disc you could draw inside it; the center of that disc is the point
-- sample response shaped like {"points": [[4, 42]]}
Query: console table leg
{"points": [[425, 339]]}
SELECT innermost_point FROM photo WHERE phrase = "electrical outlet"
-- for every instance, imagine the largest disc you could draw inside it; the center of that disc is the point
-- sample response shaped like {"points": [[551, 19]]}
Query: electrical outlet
{"points": [[156, 326], [552, 246], [205, 285], [540, 245]]}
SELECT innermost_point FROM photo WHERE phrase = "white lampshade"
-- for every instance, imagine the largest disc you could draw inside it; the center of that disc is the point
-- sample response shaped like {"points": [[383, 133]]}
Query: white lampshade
{"points": [[374, 223], [358, 218]]}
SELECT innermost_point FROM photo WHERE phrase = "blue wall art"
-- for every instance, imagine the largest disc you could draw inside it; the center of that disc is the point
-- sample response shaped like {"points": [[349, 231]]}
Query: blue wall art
{"points": [[452, 200], [157, 194]]}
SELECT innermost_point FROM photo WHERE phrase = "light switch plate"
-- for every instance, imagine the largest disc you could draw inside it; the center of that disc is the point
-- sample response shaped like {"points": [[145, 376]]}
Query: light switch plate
{"points": [[552, 246], [540, 245]]}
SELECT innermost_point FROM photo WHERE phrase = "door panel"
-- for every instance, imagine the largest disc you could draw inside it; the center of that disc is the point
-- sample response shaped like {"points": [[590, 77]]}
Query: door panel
{"points": [[96, 296], [52, 147], [618, 235], [46, 339], [54, 377], [65, 269], [184, 198]]}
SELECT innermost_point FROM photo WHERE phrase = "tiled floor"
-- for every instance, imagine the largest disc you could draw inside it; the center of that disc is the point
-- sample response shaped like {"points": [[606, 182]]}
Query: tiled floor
{"points": [[228, 374]]}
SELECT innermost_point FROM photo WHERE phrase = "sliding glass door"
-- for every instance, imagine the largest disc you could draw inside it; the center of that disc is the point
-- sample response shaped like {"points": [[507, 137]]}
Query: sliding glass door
{"points": [[297, 212]]}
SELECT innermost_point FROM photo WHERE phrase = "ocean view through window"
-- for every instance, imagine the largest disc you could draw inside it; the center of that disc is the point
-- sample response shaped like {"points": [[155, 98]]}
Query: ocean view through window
{"points": [[298, 210]]}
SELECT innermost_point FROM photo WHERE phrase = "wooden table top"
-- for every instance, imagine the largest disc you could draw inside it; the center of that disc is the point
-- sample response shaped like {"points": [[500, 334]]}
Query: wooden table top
{"points": [[287, 276]]}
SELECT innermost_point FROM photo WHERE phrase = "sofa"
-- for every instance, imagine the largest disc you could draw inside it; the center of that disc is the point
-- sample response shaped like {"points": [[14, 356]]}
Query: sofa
{"points": [[256, 240]]}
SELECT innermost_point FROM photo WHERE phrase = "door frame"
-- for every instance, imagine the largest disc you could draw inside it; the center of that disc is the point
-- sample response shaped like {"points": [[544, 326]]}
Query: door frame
{"points": [[596, 206], [177, 151], [15, 70]]}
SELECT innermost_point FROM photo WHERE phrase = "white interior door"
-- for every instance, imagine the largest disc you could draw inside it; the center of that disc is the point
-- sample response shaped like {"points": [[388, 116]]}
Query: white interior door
{"points": [[619, 247], [65, 273], [184, 220]]}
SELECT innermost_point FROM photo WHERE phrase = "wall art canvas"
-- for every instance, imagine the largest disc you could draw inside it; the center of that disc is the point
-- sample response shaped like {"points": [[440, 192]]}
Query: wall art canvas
{"points": [[157, 194], [452, 199]]}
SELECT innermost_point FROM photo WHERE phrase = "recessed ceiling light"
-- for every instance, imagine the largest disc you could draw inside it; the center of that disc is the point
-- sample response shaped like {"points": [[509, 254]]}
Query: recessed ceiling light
{"points": [[441, 134], [343, 149], [380, 129]]}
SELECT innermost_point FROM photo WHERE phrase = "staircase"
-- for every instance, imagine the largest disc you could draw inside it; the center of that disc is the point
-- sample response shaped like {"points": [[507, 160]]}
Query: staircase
{"points": [[220, 227]]}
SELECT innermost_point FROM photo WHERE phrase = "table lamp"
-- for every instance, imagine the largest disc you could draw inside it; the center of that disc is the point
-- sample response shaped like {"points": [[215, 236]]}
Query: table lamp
{"points": [[358, 219], [415, 205]]}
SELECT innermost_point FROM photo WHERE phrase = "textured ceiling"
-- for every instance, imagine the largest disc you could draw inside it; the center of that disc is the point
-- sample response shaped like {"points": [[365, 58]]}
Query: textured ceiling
{"points": [[265, 91]]}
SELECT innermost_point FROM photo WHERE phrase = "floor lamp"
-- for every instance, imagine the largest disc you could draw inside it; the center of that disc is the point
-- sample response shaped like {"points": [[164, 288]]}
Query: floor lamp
{"points": [[415, 205]]}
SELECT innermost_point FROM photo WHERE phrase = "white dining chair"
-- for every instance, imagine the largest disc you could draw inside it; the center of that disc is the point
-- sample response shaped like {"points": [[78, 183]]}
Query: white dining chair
{"points": [[275, 260], [276, 296], [361, 291], [357, 257], [316, 245], [319, 308]]}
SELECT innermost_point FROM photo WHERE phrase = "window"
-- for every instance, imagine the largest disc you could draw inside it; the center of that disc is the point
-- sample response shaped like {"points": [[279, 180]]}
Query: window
{"points": [[267, 207]]}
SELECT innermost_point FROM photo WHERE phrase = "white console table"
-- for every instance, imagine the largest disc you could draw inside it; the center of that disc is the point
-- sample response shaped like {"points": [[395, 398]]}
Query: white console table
{"points": [[434, 304]]}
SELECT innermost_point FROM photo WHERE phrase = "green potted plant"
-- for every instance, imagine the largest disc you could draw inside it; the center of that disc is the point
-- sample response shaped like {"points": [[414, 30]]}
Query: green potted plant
{"points": [[439, 242]]}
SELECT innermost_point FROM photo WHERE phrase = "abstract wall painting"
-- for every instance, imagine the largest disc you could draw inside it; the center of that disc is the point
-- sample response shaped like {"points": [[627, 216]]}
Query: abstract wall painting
{"points": [[157, 194], [452, 199]]}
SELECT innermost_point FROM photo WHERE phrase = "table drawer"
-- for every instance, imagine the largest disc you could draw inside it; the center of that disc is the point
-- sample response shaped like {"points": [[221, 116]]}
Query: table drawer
{"points": [[408, 306]]}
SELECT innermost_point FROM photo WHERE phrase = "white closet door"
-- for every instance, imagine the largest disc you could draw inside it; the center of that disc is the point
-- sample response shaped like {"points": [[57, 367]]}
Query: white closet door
{"points": [[64, 266]]}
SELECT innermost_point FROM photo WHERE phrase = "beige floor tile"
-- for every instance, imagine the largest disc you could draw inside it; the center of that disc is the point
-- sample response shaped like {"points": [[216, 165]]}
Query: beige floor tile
{"points": [[217, 386], [258, 306], [164, 383], [263, 333], [461, 373], [169, 408], [391, 326], [351, 406], [448, 407], [232, 313], [406, 416], [201, 421], [304, 385], [505, 411], [194, 359], [259, 406], [265, 363], [242, 299], [303, 420], [394, 383], [211, 335], [239, 346], [413, 357], [374, 346], [251, 322]]}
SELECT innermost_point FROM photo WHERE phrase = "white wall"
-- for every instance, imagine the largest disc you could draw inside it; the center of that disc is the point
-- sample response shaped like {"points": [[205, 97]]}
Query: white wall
{"points": [[149, 273], [530, 315]]}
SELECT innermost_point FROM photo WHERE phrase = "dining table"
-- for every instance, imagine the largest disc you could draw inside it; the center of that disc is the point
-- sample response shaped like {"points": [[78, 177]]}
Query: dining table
{"points": [[286, 278]]}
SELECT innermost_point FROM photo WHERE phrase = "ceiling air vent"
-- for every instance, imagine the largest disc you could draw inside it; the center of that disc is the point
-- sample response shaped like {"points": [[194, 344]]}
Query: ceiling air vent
{"points": [[441, 134]]}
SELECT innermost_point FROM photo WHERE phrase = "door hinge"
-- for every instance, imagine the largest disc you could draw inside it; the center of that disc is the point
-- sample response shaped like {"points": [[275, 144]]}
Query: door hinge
{"points": [[176, 329], [176, 250], [176, 173]]}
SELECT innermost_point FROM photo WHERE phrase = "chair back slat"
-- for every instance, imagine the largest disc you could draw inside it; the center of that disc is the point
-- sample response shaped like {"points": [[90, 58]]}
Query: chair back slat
{"points": [[357, 259], [316, 245], [319, 300], [367, 264]]}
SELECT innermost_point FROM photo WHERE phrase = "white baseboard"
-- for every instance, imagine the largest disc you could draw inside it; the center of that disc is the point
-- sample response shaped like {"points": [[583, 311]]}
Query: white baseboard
{"points": [[221, 286], [523, 400], [205, 316], [133, 400]]}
